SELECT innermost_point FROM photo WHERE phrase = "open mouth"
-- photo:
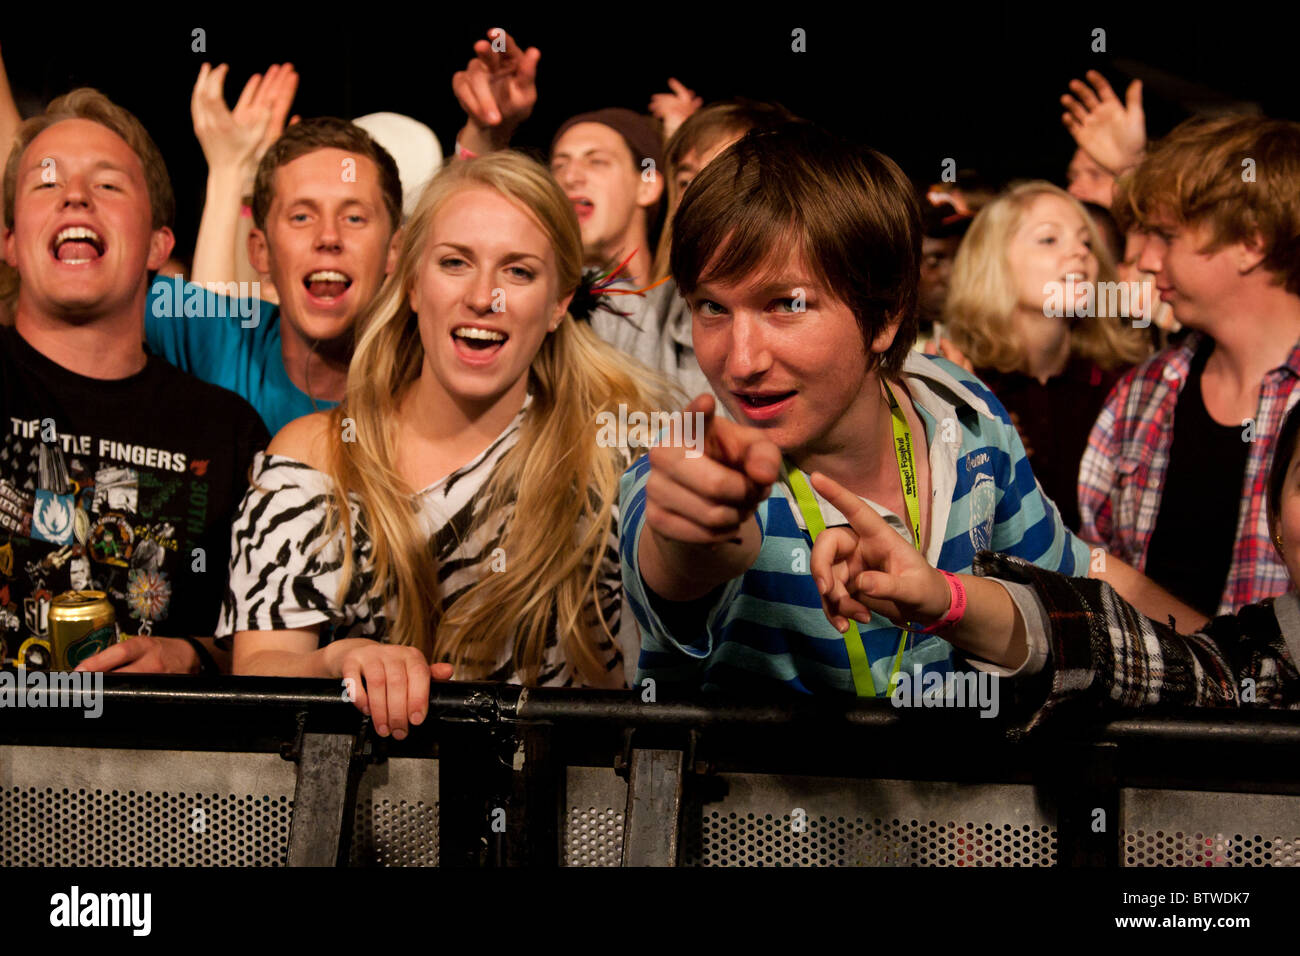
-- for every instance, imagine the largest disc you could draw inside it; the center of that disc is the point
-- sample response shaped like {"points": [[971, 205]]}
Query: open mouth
{"points": [[326, 283], [77, 245], [583, 207], [759, 400], [478, 340], [759, 406]]}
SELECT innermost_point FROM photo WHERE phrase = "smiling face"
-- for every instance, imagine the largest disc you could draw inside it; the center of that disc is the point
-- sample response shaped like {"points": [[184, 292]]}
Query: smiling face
{"points": [[486, 295], [83, 239], [601, 177], [801, 375], [1052, 244], [328, 242]]}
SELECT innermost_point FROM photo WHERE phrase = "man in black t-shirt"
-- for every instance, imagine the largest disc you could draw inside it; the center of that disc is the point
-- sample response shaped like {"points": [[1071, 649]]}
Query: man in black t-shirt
{"points": [[117, 472]]}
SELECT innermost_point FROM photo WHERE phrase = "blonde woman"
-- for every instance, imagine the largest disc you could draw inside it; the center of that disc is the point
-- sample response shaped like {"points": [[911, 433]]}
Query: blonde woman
{"points": [[1034, 308], [456, 507]]}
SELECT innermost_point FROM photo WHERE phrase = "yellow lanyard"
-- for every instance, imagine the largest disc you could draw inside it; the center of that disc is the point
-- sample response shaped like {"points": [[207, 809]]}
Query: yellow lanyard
{"points": [[906, 466], [859, 663]]}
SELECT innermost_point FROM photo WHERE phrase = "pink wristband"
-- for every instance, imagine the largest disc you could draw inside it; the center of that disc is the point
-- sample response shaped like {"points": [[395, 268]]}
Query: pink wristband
{"points": [[956, 604]]}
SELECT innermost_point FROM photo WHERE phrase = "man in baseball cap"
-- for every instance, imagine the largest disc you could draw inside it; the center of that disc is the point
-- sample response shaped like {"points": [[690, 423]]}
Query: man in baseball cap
{"points": [[608, 164]]}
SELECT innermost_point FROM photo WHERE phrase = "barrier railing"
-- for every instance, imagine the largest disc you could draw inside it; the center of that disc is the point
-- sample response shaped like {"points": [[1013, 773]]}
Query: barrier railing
{"points": [[525, 777]]}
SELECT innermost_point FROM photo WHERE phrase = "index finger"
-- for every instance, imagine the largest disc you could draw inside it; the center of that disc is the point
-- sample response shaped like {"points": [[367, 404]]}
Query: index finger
{"points": [[862, 517], [513, 50], [745, 449]]}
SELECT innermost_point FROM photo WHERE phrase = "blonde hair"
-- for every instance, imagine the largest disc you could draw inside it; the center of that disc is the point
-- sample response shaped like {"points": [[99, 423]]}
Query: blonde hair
{"points": [[982, 296], [555, 475]]}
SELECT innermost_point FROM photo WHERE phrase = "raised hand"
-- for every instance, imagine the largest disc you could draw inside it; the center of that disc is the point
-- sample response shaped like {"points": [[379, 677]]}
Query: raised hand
{"points": [[676, 107], [239, 137], [497, 90], [868, 568], [1113, 133]]}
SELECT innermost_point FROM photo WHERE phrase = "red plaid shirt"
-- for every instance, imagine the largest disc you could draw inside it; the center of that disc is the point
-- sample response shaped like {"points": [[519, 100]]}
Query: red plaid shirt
{"points": [[1123, 471]]}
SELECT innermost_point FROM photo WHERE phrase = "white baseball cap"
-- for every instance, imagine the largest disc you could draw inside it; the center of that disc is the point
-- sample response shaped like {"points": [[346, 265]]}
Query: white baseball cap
{"points": [[413, 147]]}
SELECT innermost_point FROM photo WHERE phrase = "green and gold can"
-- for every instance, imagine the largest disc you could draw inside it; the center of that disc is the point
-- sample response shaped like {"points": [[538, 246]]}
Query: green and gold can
{"points": [[82, 623]]}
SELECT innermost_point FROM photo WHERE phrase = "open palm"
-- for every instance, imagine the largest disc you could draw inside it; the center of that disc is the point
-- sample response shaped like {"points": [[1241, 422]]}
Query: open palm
{"points": [[1114, 133]]}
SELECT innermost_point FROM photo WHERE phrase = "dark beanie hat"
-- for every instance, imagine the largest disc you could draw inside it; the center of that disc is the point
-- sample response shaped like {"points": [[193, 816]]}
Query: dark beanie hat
{"points": [[637, 131]]}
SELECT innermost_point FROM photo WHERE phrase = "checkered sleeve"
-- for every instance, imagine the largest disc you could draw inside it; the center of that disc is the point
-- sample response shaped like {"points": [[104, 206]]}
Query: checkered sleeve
{"points": [[1097, 471], [1105, 655]]}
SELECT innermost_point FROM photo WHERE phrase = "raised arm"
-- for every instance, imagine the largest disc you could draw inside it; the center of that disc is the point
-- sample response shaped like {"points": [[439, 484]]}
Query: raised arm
{"points": [[675, 108], [233, 141], [497, 91], [10, 119]]}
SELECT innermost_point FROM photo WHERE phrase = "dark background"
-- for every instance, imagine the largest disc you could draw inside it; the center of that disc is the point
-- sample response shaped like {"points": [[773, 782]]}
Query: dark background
{"points": [[921, 81]]}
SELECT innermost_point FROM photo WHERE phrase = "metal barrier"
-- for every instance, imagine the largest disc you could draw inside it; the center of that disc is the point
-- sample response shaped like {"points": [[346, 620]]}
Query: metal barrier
{"points": [[270, 771]]}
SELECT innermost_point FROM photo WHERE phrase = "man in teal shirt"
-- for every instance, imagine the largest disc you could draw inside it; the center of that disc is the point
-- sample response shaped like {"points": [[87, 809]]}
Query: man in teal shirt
{"points": [[327, 210]]}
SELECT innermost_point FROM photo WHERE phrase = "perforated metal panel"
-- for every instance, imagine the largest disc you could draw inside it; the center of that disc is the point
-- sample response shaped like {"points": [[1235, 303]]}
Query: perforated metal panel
{"points": [[593, 832], [815, 821], [396, 822], [809, 821], [64, 806], [730, 839], [99, 807], [1189, 828]]}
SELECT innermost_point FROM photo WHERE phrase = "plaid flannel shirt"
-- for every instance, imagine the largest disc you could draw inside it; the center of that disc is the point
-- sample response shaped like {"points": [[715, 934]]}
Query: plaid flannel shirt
{"points": [[1105, 657], [1122, 473]]}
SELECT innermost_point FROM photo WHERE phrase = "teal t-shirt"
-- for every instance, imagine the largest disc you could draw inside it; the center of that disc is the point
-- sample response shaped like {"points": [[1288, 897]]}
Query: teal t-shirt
{"points": [[228, 340]]}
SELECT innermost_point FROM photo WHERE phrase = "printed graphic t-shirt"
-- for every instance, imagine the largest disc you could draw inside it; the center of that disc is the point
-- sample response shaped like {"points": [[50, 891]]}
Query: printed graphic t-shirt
{"points": [[126, 486]]}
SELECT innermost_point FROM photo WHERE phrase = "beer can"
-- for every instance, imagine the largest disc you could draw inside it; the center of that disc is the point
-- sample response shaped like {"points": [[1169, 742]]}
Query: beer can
{"points": [[82, 623]]}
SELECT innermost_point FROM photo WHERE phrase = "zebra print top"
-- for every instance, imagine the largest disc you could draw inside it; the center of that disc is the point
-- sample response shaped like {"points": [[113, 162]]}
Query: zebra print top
{"points": [[285, 575]]}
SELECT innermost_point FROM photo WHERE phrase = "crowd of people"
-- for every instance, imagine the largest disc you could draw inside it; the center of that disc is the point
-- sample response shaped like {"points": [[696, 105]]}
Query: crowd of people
{"points": [[902, 425]]}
